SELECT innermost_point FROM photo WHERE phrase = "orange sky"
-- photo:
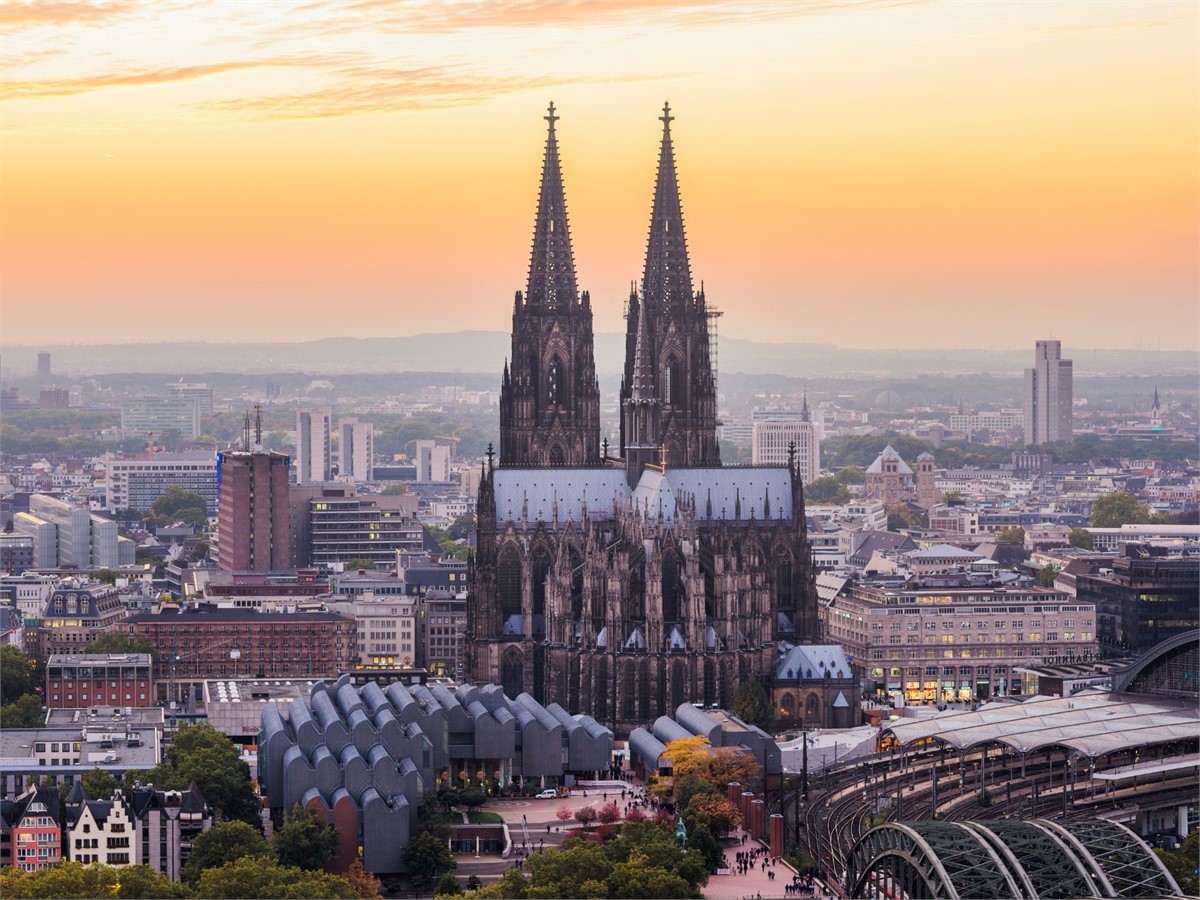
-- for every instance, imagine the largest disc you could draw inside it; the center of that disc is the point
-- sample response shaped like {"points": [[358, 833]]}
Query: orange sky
{"points": [[894, 173]]}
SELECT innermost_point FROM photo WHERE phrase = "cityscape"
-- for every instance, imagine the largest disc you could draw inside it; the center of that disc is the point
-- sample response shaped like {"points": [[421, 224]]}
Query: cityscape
{"points": [[840, 540]]}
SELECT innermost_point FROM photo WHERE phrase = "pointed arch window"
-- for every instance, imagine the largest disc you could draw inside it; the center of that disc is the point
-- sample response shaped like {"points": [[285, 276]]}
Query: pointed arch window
{"points": [[555, 383], [672, 382]]}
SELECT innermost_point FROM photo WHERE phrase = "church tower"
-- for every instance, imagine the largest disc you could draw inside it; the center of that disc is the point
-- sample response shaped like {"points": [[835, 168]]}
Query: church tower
{"points": [[675, 334], [549, 396]]}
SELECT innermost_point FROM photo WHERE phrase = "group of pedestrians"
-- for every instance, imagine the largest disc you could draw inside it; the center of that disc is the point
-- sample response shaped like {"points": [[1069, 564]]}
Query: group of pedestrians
{"points": [[755, 857], [801, 886]]}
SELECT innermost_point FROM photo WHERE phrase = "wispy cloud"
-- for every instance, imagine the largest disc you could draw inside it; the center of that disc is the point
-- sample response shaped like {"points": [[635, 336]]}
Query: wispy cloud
{"points": [[26, 14], [420, 16], [367, 90], [64, 87]]}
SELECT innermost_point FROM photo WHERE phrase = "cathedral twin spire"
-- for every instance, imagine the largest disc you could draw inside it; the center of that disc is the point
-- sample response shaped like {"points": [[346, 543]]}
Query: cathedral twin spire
{"points": [[549, 401], [551, 264]]}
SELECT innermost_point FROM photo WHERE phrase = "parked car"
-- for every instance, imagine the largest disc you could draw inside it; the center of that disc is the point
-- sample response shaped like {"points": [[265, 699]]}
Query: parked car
{"points": [[548, 794]]}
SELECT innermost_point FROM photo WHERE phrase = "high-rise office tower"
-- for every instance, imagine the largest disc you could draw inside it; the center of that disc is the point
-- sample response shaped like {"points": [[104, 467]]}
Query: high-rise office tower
{"points": [[356, 448], [253, 527], [43, 367], [312, 445], [1048, 395]]}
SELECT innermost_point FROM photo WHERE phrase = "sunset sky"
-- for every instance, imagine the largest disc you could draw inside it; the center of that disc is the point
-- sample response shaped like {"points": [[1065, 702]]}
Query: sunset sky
{"points": [[894, 173]]}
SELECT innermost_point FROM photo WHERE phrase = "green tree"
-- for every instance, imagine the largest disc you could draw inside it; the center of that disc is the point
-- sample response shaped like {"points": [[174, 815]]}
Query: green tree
{"points": [[827, 489], [26, 712], [851, 475], [221, 844], [199, 552], [304, 841], [204, 755], [460, 528], [175, 504], [119, 642], [752, 706], [71, 879], [1120, 508], [98, 783], [353, 565], [1046, 575], [105, 576], [426, 858], [1082, 538], [265, 879], [472, 796], [447, 886], [1184, 863], [687, 788], [701, 839], [16, 674], [1012, 535]]}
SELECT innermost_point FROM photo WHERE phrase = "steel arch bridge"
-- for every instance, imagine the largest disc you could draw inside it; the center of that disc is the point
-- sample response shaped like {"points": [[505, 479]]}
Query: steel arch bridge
{"points": [[1032, 859]]}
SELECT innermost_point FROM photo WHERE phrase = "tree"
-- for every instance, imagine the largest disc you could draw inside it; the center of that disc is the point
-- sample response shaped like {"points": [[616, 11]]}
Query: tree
{"points": [[221, 844], [426, 858], [364, 883], [199, 552], [353, 565], [1012, 535], [688, 788], [751, 705], [71, 879], [105, 576], [447, 886], [701, 839], [851, 475], [827, 489], [1184, 863], [204, 755], [23, 713], [722, 815], [117, 642], [689, 757], [304, 841], [1082, 538], [460, 528], [586, 816], [98, 783], [609, 813], [263, 878], [472, 796], [1117, 509], [16, 674], [175, 504], [730, 764], [1046, 575], [394, 489]]}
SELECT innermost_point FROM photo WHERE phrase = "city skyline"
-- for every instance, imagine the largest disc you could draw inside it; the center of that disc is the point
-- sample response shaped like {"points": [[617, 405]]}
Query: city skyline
{"points": [[197, 171]]}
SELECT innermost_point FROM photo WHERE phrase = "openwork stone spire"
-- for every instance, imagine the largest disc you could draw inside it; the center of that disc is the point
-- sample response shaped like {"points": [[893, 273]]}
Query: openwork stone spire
{"points": [[551, 265], [668, 278], [643, 364]]}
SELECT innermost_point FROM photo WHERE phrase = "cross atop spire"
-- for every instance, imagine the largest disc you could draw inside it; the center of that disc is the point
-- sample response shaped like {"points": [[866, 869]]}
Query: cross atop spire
{"points": [[551, 264], [667, 278]]}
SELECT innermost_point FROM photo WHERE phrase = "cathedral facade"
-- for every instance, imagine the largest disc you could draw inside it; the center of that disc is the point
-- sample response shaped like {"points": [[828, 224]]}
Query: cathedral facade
{"points": [[621, 585]]}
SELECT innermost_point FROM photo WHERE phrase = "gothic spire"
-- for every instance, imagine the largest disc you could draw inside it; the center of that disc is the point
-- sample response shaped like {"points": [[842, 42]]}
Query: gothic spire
{"points": [[551, 265], [668, 278], [1155, 407], [805, 416], [643, 366]]}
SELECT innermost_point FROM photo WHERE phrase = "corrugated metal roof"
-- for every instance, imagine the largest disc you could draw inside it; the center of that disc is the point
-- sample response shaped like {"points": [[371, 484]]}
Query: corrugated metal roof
{"points": [[1092, 722]]}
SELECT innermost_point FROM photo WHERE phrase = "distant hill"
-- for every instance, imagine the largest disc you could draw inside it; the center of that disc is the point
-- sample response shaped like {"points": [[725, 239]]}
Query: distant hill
{"points": [[484, 352]]}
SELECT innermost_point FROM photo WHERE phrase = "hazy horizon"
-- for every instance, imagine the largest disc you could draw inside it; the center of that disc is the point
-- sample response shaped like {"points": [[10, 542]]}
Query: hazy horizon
{"points": [[880, 174]]}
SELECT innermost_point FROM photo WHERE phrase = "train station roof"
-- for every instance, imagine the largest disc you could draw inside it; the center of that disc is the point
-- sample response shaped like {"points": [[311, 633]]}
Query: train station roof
{"points": [[1092, 722]]}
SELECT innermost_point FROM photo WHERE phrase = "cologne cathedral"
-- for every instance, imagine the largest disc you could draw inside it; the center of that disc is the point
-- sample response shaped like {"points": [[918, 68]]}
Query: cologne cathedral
{"points": [[622, 585]]}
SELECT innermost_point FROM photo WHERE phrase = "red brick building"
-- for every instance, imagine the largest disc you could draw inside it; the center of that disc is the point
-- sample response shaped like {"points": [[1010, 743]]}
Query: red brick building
{"points": [[99, 679], [205, 641], [32, 830], [253, 523]]}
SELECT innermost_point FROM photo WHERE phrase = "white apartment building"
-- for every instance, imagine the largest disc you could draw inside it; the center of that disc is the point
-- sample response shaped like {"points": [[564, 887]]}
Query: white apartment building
{"points": [[772, 442], [433, 461], [356, 450], [1048, 394], [137, 483], [31, 592], [313, 445]]}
